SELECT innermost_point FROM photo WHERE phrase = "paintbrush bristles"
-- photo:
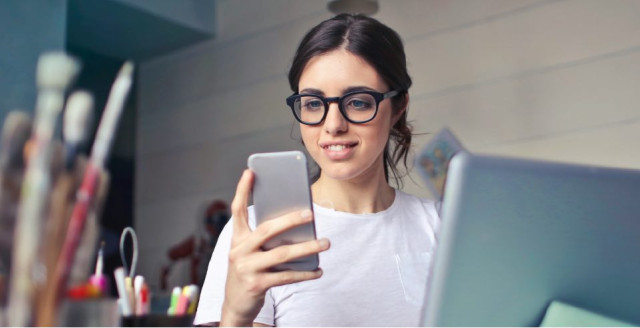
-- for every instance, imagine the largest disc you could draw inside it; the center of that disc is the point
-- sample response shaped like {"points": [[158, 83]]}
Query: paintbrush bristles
{"points": [[56, 70], [76, 116], [111, 114], [126, 69]]}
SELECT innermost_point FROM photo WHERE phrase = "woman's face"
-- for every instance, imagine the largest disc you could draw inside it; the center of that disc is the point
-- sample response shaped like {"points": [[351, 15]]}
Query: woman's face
{"points": [[343, 150]]}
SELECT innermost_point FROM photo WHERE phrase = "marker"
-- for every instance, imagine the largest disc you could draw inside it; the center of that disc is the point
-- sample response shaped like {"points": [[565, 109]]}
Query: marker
{"points": [[175, 295], [128, 284], [123, 300], [183, 301], [138, 285], [193, 299], [145, 299]]}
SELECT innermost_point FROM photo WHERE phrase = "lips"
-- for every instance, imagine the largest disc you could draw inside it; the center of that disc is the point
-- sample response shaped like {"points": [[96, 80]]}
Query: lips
{"points": [[337, 146], [338, 150]]}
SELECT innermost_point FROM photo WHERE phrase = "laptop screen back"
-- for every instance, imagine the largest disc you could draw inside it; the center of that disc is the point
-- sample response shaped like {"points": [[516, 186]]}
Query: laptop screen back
{"points": [[518, 234]]}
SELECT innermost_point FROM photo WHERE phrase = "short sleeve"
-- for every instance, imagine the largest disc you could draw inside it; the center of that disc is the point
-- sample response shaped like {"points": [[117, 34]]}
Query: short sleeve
{"points": [[212, 295], [433, 216], [429, 219]]}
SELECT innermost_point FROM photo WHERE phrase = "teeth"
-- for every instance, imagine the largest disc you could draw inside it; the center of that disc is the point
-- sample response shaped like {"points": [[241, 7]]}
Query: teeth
{"points": [[336, 147]]}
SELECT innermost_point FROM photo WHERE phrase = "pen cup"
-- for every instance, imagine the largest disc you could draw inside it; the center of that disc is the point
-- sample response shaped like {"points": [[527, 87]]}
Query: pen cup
{"points": [[157, 320]]}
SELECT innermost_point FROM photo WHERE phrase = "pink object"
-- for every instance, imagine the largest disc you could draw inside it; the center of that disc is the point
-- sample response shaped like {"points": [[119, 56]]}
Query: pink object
{"points": [[183, 304], [100, 282]]}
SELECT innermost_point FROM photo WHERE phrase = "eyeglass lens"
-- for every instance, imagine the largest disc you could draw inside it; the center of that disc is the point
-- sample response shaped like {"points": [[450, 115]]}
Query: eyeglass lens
{"points": [[359, 107]]}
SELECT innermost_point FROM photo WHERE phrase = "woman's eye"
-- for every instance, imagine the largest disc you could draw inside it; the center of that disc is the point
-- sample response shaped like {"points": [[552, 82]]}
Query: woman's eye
{"points": [[313, 104], [359, 104]]}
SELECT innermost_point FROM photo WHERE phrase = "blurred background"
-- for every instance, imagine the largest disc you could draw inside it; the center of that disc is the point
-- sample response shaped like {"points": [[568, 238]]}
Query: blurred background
{"points": [[547, 79]]}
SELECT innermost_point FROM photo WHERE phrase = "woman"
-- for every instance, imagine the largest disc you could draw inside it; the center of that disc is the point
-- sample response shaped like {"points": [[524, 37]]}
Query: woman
{"points": [[350, 86]]}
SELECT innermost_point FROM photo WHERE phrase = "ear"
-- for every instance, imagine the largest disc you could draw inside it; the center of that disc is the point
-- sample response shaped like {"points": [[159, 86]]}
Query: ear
{"points": [[403, 109]]}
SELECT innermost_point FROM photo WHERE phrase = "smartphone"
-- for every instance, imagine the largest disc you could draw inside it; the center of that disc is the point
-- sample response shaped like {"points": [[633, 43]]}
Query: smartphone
{"points": [[281, 186]]}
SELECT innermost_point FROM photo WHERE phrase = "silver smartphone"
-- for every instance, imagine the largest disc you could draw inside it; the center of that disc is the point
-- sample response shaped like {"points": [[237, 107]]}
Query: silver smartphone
{"points": [[281, 186]]}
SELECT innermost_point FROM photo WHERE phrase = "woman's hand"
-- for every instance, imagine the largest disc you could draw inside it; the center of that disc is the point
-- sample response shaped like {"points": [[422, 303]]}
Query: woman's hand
{"points": [[248, 276]]}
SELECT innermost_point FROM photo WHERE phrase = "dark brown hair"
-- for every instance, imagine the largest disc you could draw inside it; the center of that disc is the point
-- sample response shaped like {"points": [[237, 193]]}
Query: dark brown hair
{"points": [[382, 48]]}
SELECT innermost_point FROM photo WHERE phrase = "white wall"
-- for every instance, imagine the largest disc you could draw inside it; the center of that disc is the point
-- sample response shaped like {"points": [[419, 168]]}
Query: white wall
{"points": [[542, 79]]}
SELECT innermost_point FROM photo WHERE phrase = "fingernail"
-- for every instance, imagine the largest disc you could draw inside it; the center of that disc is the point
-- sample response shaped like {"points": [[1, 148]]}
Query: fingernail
{"points": [[306, 214], [319, 272], [324, 243]]}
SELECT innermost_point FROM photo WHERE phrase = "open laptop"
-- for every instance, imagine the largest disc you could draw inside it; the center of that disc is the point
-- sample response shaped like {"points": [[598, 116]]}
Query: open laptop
{"points": [[518, 234]]}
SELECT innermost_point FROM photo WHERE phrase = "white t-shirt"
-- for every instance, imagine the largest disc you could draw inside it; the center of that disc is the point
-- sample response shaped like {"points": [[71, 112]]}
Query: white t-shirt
{"points": [[374, 274]]}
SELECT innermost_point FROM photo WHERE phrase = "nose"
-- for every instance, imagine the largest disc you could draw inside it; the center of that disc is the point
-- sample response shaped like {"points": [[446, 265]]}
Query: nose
{"points": [[335, 123]]}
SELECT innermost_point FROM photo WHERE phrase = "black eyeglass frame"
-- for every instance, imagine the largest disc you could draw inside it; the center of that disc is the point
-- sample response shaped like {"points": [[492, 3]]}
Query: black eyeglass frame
{"points": [[378, 96]]}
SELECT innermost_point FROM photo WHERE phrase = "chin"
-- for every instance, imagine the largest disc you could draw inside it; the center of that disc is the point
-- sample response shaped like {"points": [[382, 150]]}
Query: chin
{"points": [[341, 176], [338, 171], [343, 171]]}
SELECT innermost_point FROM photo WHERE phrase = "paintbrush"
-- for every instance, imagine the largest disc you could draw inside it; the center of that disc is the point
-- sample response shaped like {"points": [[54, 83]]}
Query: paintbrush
{"points": [[75, 127], [75, 130], [15, 133], [55, 72], [91, 180], [85, 252]]}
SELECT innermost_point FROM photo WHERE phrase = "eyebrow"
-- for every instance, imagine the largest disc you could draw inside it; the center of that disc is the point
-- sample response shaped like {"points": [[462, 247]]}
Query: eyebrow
{"points": [[344, 91]]}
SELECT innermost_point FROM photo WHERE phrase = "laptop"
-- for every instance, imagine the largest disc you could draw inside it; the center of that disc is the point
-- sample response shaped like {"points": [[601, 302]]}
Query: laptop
{"points": [[518, 234]]}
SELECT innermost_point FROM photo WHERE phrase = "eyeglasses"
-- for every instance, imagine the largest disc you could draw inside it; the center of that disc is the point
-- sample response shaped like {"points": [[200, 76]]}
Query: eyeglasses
{"points": [[356, 107]]}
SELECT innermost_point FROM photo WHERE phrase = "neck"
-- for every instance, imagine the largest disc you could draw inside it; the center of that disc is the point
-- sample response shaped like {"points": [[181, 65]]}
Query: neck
{"points": [[367, 193]]}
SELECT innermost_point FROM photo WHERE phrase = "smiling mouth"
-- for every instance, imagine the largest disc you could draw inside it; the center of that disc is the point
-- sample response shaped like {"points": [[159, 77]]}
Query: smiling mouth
{"points": [[338, 147]]}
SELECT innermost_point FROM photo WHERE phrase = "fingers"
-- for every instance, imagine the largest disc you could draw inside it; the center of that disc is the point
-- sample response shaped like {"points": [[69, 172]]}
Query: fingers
{"points": [[262, 261], [240, 203], [250, 271], [290, 277], [270, 228], [258, 285]]}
